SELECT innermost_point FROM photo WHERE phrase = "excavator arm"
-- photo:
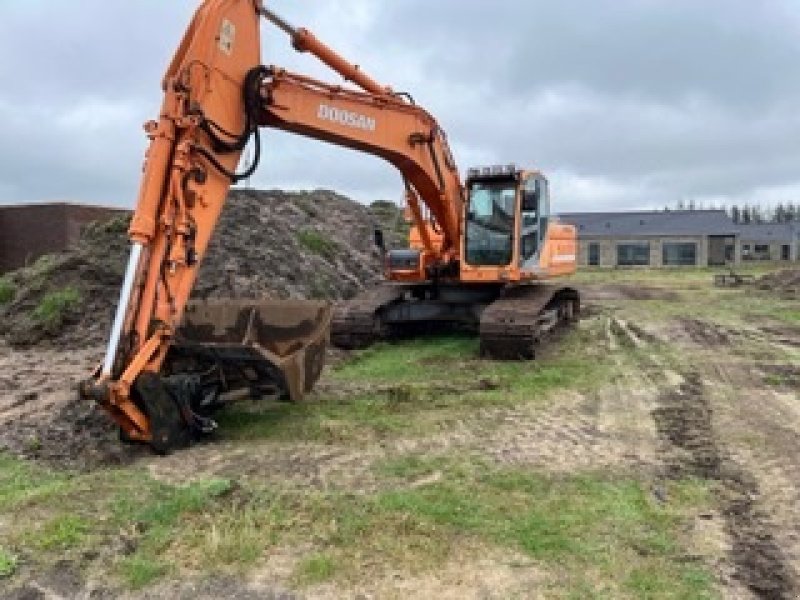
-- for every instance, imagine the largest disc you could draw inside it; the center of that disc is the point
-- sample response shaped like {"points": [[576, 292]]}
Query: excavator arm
{"points": [[388, 127]]}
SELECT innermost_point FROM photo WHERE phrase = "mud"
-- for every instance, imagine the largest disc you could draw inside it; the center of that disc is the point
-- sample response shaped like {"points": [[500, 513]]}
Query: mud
{"points": [[705, 333], [622, 291], [42, 417], [684, 420]]}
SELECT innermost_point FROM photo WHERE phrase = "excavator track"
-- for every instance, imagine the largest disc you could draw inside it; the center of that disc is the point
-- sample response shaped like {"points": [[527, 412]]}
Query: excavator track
{"points": [[357, 323], [514, 325]]}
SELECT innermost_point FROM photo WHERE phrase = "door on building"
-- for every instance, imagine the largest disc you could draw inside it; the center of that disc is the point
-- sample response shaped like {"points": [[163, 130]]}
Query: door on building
{"points": [[785, 251], [594, 254], [716, 250]]}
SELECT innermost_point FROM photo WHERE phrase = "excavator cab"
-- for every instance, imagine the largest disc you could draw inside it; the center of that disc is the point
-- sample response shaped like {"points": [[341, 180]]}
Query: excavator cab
{"points": [[507, 217]]}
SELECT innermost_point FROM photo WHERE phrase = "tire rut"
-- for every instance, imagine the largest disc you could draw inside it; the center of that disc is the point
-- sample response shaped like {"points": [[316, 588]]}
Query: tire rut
{"points": [[684, 421]]}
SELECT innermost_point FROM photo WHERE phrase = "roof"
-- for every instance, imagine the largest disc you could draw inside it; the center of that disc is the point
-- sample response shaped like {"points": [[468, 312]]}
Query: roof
{"points": [[770, 232], [69, 204], [651, 223]]}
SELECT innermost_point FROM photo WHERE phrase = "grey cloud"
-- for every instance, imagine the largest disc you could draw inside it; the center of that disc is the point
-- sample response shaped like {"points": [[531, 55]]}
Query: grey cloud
{"points": [[630, 103]]}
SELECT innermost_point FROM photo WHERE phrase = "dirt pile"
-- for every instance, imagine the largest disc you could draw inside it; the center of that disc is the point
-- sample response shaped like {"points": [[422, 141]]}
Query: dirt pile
{"points": [[268, 243], [785, 282]]}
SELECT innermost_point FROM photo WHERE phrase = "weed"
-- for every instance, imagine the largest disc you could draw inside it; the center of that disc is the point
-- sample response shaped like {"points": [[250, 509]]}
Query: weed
{"points": [[55, 307], [139, 570], [8, 563], [7, 291], [318, 243], [316, 568], [61, 533], [236, 536]]}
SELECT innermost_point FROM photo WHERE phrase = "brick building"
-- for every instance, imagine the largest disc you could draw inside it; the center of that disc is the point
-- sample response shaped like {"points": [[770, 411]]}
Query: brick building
{"points": [[28, 231]]}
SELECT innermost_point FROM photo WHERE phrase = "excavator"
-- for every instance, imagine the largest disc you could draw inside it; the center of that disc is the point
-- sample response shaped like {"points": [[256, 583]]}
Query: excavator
{"points": [[478, 255]]}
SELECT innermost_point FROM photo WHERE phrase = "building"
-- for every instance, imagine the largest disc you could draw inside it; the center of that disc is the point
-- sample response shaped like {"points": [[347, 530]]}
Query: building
{"points": [[655, 238], [28, 231], [770, 241]]}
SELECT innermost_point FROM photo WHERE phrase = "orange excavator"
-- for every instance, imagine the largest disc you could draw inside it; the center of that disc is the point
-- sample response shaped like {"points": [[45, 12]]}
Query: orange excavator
{"points": [[477, 255]]}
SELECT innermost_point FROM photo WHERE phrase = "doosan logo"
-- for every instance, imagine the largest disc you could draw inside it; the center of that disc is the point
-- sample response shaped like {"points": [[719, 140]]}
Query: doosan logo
{"points": [[345, 117]]}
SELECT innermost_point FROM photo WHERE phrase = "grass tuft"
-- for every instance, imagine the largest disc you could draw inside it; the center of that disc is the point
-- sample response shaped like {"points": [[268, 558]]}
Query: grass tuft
{"points": [[55, 307], [7, 291], [317, 568], [318, 243], [8, 563], [61, 533], [139, 570]]}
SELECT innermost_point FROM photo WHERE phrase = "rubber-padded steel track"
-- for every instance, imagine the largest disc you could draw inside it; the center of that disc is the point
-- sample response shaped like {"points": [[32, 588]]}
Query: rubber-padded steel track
{"points": [[357, 322], [515, 324]]}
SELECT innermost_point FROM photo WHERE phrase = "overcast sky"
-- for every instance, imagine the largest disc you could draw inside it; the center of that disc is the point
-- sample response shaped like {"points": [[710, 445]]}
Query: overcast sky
{"points": [[623, 103]]}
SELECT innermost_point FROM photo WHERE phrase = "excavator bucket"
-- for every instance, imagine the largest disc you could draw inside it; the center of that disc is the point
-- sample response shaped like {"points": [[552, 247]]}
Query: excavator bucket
{"points": [[265, 346]]}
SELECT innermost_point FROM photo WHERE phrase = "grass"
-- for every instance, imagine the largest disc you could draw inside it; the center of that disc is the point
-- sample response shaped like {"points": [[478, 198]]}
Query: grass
{"points": [[318, 243], [577, 523], [55, 307], [415, 387], [8, 563], [67, 512], [24, 484], [139, 570], [584, 523], [315, 569], [60, 533], [7, 291]]}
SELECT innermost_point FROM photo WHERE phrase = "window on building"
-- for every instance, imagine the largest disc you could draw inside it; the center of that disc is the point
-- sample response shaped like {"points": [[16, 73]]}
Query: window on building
{"points": [[631, 254], [679, 254], [785, 251], [594, 254], [761, 251]]}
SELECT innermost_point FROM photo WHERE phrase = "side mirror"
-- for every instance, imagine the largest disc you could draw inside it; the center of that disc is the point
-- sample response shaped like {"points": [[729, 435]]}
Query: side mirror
{"points": [[380, 242], [530, 201]]}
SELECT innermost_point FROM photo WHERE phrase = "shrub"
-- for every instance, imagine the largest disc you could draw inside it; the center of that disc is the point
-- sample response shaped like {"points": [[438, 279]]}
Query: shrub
{"points": [[55, 307], [318, 243], [7, 291]]}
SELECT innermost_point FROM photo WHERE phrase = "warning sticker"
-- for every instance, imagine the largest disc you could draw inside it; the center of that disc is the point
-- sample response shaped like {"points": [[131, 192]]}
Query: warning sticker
{"points": [[227, 36]]}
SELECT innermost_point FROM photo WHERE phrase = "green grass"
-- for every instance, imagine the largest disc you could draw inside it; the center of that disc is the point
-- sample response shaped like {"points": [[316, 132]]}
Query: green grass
{"points": [[60, 533], [314, 569], [318, 243], [24, 484], [414, 387], [8, 563], [7, 291], [140, 570], [577, 523], [160, 513], [55, 307], [61, 512]]}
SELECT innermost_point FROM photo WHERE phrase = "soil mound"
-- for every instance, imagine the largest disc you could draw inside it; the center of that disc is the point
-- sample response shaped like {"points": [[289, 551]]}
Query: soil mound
{"points": [[276, 244], [786, 282]]}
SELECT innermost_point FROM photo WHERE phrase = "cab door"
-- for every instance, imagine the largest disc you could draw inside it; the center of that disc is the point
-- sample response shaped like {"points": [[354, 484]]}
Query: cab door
{"points": [[534, 218]]}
